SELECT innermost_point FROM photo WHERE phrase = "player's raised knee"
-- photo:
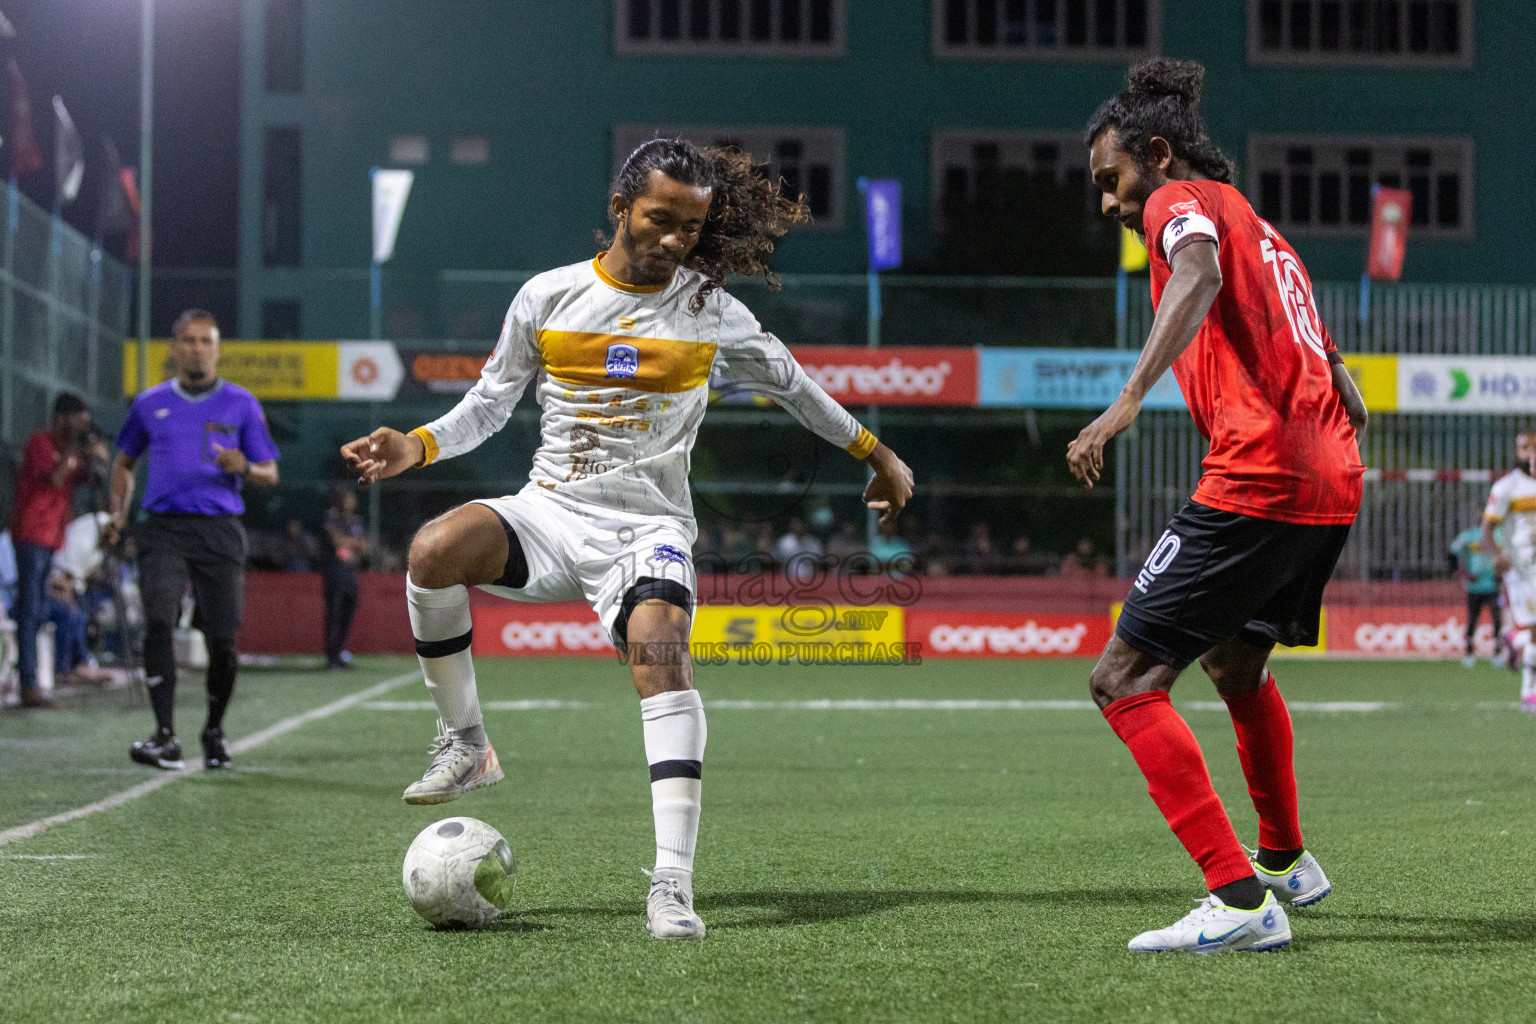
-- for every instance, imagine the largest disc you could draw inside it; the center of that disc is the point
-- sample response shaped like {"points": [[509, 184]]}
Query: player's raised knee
{"points": [[433, 561]]}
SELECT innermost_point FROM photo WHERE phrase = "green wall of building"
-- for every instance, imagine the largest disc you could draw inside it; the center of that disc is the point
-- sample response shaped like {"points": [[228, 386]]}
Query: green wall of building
{"points": [[543, 84]]}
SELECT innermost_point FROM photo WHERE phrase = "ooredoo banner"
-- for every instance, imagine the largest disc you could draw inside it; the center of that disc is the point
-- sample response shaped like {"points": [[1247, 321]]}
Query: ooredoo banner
{"points": [[1424, 631], [961, 634], [892, 376], [542, 630]]}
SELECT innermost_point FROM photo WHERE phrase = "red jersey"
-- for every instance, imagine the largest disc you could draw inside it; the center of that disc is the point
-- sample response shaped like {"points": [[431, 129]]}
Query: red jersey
{"points": [[42, 510], [1257, 378]]}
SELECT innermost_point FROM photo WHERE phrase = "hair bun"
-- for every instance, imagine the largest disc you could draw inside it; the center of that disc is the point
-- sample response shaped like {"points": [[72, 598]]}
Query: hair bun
{"points": [[1165, 76]]}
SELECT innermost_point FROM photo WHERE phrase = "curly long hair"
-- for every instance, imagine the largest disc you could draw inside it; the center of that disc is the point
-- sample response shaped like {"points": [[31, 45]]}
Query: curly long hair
{"points": [[747, 210], [1162, 98]]}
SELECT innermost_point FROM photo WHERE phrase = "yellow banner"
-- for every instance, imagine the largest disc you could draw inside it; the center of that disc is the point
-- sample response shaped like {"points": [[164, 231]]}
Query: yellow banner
{"points": [[809, 633], [1376, 377], [1280, 652], [275, 370]]}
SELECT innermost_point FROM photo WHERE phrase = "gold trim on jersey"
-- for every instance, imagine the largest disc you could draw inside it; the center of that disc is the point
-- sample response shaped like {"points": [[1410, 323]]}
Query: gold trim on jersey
{"points": [[611, 282], [1524, 503], [665, 366], [428, 445], [863, 444]]}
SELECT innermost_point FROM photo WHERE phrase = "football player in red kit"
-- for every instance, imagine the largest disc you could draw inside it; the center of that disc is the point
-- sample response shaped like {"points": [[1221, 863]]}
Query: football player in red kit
{"points": [[1242, 566]]}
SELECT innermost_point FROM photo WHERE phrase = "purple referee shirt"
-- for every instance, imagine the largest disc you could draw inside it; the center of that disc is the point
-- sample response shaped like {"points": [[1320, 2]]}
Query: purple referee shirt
{"points": [[184, 434]]}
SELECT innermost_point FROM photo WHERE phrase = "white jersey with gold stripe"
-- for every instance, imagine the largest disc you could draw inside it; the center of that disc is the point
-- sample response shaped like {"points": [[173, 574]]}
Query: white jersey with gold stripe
{"points": [[623, 381], [1513, 503]]}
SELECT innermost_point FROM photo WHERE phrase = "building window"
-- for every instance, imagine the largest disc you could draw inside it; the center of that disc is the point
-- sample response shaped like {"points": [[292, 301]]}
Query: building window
{"points": [[1321, 185], [409, 149], [809, 160], [781, 28], [282, 197], [471, 149], [283, 50], [1397, 32], [986, 170], [1110, 29], [280, 320]]}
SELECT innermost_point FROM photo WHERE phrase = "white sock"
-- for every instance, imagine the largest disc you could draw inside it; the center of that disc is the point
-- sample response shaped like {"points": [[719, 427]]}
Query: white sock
{"points": [[674, 748], [1528, 671], [440, 622]]}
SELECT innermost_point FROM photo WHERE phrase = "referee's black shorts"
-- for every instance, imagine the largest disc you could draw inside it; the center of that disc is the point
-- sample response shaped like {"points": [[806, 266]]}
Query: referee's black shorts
{"points": [[1214, 576], [208, 551]]}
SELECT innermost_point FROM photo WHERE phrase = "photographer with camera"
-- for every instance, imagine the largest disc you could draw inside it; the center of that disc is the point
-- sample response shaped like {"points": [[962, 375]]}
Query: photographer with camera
{"points": [[56, 461]]}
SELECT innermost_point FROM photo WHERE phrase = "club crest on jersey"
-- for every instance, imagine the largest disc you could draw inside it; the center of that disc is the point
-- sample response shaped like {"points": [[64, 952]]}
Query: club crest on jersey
{"points": [[668, 553], [623, 360], [1192, 206]]}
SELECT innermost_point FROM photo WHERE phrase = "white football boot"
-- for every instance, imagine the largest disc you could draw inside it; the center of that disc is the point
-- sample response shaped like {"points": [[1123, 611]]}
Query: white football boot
{"points": [[1300, 885], [669, 910], [1214, 927], [458, 766]]}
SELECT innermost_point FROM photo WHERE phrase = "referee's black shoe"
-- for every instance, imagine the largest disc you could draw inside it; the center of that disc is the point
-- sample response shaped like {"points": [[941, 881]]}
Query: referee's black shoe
{"points": [[215, 753], [161, 750]]}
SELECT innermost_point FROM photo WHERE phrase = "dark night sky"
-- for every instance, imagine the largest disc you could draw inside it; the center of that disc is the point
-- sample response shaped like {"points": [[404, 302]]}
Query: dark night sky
{"points": [[87, 51]]}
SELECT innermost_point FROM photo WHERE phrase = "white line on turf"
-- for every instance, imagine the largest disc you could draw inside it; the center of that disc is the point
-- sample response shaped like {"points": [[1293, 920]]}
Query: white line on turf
{"points": [[49, 856], [902, 705], [1323, 706], [1302, 705], [488, 705], [148, 786]]}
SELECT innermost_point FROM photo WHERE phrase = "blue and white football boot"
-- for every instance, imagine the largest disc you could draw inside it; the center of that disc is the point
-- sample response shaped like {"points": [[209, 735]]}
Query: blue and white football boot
{"points": [[1300, 885], [1214, 927]]}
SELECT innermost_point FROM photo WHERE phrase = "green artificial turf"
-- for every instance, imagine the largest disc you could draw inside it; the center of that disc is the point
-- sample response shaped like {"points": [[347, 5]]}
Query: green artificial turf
{"points": [[854, 865]]}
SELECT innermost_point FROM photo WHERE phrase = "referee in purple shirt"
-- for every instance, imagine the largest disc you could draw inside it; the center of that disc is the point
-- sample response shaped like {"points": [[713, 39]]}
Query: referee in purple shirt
{"points": [[206, 438]]}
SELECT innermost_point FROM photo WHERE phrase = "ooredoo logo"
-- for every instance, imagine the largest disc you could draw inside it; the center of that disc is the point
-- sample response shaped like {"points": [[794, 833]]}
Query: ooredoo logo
{"points": [[555, 636], [1026, 639], [1447, 637], [892, 378], [365, 371]]}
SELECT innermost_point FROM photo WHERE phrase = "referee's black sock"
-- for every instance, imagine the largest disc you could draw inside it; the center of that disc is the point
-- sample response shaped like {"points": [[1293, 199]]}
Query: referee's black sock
{"points": [[223, 663], [160, 673]]}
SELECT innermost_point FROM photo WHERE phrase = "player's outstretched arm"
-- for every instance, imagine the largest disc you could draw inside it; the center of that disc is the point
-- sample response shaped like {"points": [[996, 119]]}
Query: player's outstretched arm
{"points": [[382, 454], [1191, 289], [890, 488], [1490, 540]]}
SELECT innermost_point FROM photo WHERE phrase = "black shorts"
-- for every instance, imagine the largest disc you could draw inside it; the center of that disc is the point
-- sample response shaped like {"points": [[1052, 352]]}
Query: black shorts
{"points": [[1214, 576], [207, 550]]}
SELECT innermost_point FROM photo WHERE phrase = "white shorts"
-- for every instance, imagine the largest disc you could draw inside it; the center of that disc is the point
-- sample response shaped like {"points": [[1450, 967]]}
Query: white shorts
{"points": [[592, 554], [1520, 596]]}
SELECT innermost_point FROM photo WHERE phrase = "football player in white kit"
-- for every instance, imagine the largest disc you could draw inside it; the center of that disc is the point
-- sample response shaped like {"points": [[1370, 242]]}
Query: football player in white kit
{"points": [[621, 348], [1512, 502]]}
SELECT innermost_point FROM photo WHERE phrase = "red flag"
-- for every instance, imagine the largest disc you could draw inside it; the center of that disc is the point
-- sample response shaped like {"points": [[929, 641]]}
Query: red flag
{"points": [[1390, 208], [26, 155]]}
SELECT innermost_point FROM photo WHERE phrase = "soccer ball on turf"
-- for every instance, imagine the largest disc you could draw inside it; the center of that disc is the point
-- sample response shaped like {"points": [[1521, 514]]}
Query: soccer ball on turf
{"points": [[458, 873]]}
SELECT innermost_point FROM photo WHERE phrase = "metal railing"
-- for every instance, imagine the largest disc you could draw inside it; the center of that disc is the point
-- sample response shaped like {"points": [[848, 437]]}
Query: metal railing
{"points": [[64, 308], [1406, 523]]}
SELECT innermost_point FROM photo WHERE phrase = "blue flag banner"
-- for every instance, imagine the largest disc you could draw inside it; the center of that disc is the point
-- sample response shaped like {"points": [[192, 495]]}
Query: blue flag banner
{"points": [[882, 213], [1056, 378]]}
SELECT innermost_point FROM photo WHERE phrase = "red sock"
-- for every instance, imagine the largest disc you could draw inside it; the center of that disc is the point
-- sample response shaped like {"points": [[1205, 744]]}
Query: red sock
{"points": [[1167, 754], [1264, 745]]}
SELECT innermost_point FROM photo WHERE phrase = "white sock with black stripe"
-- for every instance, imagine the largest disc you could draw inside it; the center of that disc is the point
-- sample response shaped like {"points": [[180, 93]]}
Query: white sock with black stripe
{"points": [[440, 621], [674, 748]]}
